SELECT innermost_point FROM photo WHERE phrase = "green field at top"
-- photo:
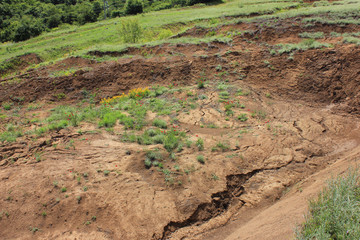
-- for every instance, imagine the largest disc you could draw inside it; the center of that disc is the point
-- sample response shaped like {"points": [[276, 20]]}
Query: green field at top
{"points": [[72, 40]]}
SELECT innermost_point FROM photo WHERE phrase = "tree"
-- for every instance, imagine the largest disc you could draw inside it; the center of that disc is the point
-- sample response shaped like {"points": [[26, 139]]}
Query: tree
{"points": [[85, 13], [133, 7], [97, 8], [27, 28], [53, 21]]}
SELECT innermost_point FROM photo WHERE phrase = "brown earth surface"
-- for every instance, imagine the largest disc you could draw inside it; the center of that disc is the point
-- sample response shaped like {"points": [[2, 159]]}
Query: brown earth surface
{"points": [[311, 128]]}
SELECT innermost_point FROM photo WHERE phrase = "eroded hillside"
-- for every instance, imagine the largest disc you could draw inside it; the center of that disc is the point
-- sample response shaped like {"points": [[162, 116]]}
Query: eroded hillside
{"points": [[211, 128]]}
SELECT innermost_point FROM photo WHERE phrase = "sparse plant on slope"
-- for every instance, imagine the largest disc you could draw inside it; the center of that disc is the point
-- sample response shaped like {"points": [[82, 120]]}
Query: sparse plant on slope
{"points": [[130, 30]]}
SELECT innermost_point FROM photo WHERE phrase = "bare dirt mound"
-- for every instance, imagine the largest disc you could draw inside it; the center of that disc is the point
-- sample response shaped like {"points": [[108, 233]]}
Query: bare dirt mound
{"points": [[329, 76], [19, 63]]}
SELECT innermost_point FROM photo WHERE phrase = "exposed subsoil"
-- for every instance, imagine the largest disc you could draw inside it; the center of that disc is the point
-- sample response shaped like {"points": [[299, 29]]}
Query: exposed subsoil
{"points": [[313, 114], [21, 63]]}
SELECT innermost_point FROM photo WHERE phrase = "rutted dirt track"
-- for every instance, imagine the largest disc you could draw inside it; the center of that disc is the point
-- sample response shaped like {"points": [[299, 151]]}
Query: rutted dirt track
{"points": [[312, 120]]}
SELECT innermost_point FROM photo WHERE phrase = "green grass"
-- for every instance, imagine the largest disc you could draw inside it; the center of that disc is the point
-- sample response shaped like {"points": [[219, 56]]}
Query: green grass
{"points": [[340, 14], [10, 136], [200, 144], [171, 141], [6, 106], [76, 40], [353, 40], [243, 117], [158, 26], [223, 86], [335, 213], [153, 158], [314, 35], [160, 123], [259, 114], [223, 147], [302, 46], [64, 72], [200, 159], [110, 119], [130, 112]]}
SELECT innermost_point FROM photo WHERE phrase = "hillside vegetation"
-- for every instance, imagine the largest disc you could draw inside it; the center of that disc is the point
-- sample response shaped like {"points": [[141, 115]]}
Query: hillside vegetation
{"points": [[105, 35], [23, 19]]}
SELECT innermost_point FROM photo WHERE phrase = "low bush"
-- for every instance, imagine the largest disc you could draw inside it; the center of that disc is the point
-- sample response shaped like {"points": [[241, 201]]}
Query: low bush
{"points": [[160, 123], [243, 117], [200, 159], [335, 214], [200, 144], [130, 31]]}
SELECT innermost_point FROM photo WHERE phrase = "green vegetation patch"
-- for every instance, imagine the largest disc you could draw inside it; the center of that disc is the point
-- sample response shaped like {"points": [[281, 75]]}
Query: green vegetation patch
{"points": [[313, 35], [302, 46], [335, 214]]}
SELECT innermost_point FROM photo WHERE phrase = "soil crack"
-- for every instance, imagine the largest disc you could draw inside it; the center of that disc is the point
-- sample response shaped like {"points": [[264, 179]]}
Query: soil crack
{"points": [[220, 203]]}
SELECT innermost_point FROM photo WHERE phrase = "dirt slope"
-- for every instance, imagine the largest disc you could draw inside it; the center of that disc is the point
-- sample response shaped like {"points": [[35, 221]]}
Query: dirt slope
{"points": [[302, 115], [280, 219]]}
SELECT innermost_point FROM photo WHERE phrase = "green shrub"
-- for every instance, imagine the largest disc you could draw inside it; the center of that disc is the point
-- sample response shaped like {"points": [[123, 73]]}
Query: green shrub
{"points": [[353, 40], [228, 110], [133, 7], [58, 125], [335, 214], [144, 139], [243, 117], [222, 86], [128, 122], [164, 34], [200, 159], [171, 141], [152, 158], [130, 30], [129, 137], [74, 119], [201, 84], [147, 163], [159, 139], [223, 146], [109, 119], [202, 97], [6, 106], [151, 132], [188, 143], [160, 123], [224, 94], [41, 131], [200, 144]]}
